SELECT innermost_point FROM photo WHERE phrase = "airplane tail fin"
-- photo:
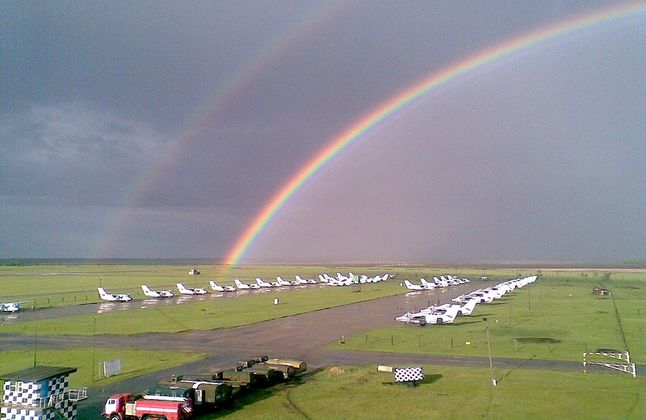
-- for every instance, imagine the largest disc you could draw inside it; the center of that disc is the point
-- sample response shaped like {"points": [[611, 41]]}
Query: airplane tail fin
{"points": [[181, 287]]}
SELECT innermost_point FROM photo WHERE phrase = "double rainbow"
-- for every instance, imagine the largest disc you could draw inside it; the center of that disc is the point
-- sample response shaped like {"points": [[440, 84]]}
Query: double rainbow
{"points": [[409, 95]]}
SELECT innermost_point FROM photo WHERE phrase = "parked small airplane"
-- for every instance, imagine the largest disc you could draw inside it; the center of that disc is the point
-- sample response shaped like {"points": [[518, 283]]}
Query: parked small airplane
{"points": [[244, 286], [281, 282], [467, 308], [9, 306], [110, 297], [190, 290], [265, 284], [156, 293], [301, 280], [428, 284], [411, 286], [218, 288], [431, 316]]}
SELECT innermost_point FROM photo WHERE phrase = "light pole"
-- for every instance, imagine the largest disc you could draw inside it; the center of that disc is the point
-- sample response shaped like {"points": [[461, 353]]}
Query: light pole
{"points": [[94, 349], [493, 380]]}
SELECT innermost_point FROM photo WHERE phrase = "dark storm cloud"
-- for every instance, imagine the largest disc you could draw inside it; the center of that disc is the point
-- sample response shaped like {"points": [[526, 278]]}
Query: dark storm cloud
{"points": [[95, 95]]}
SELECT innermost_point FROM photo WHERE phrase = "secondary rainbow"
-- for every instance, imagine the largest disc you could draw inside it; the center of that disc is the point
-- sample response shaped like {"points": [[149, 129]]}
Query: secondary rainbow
{"points": [[409, 95], [274, 47]]}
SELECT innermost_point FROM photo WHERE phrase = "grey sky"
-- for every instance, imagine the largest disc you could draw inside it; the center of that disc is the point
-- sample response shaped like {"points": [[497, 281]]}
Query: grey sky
{"points": [[540, 156]]}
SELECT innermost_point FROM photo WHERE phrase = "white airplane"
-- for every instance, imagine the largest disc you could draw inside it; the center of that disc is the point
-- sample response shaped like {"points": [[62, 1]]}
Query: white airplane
{"points": [[441, 283], [265, 284], [299, 280], [9, 306], [121, 297], [281, 282], [244, 286], [190, 290], [411, 286], [218, 288], [156, 293], [467, 308], [305, 281], [444, 318], [428, 284]]}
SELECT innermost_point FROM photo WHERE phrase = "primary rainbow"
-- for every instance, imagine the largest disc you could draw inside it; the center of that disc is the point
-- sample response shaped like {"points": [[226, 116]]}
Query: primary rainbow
{"points": [[400, 100]]}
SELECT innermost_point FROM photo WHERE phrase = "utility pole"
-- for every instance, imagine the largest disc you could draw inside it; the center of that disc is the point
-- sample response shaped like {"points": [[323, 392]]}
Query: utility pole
{"points": [[493, 380], [35, 344], [94, 349]]}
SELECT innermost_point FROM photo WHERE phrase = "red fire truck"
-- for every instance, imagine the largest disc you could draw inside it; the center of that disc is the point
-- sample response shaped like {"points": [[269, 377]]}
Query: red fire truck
{"points": [[128, 407]]}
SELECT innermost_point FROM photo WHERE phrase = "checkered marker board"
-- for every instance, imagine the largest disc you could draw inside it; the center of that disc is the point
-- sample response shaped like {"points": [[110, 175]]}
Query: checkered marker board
{"points": [[409, 374]]}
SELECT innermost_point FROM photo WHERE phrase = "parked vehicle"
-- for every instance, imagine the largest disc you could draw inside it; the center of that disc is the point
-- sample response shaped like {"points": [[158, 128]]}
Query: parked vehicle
{"points": [[126, 406]]}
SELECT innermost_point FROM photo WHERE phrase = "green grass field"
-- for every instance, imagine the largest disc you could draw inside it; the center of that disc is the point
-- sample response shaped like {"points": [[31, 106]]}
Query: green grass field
{"points": [[133, 362], [41, 286], [449, 392], [62, 285], [207, 314], [554, 318]]}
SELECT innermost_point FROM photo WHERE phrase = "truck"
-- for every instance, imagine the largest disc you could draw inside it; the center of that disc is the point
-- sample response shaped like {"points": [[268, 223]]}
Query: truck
{"points": [[126, 406], [298, 365], [204, 395]]}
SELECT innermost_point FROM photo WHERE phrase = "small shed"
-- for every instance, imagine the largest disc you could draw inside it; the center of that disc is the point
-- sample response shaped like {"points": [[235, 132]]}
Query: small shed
{"points": [[194, 272], [600, 292], [40, 392]]}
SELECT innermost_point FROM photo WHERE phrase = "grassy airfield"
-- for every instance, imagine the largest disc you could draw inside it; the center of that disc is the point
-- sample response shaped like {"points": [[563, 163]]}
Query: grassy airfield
{"points": [[133, 362], [449, 392], [52, 285], [62, 285], [557, 317]]}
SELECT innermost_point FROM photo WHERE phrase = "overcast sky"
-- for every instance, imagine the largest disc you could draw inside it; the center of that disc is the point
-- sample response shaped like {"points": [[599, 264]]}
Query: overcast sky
{"points": [[160, 129]]}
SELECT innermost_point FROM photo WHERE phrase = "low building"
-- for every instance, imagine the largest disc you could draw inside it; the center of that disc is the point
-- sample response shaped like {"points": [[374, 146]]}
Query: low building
{"points": [[194, 272], [600, 292], [41, 392]]}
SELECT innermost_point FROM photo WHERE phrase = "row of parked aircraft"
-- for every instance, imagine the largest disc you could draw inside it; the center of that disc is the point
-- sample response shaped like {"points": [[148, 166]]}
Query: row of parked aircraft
{"points": [[325, 279], [339, 280], [438, 282], [463, 304]]}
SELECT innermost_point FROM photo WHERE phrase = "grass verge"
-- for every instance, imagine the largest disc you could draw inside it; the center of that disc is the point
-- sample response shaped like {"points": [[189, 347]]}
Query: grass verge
{"points": [[555, 318], [448, 392], [133, 362]]}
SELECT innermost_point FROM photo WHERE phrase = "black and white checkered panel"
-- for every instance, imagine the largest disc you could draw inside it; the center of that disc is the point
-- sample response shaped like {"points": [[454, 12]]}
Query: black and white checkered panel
{"points": [[22, 393], [68, 409], [19, 413], [409, 374], [24, 400], [58, 385]]}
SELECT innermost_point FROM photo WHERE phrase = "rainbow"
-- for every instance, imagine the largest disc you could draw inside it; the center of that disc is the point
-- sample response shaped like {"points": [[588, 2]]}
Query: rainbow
{"points": [[406, 97], [273, 48]]}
